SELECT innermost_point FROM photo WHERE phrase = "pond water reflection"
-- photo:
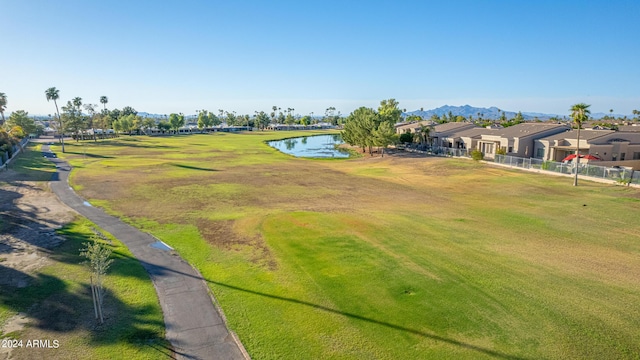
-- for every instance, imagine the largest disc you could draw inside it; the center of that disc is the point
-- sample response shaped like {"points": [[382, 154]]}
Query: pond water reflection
{"points": [[317, 146]]}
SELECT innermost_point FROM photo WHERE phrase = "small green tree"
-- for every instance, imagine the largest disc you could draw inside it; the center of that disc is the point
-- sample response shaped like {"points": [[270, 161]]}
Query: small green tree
{"points": [[477, 155], [176, 121], [262, 120], [205, 119], [164, 126], [127, 123], [21, 118], [148, 124], [73, 119], [214, 120], [389, 111], [384, 135], [98, 260]]}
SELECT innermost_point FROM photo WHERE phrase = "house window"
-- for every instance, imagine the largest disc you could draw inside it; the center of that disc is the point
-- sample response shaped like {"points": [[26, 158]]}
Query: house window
{"points": [[622, 156], [636, 156], [540, 153], [510, 149]]}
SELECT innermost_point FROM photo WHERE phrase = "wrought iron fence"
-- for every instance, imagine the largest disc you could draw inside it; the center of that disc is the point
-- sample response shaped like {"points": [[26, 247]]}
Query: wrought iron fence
{"points": [[622, 175]]}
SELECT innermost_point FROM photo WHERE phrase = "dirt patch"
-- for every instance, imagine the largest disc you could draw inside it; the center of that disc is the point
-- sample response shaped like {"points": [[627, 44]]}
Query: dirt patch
{"points": [[222, 234], [30, 215]]}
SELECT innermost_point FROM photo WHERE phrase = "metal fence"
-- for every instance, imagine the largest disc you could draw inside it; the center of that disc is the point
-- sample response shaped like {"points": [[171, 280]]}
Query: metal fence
{"points": [[438, 151], [618, 174]]}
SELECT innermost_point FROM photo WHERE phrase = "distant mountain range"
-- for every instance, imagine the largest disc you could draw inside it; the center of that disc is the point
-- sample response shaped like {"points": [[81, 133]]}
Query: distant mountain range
{"points": [[493, 113]]}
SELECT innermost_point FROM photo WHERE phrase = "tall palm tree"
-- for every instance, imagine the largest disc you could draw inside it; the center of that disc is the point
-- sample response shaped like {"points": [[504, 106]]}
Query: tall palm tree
{"points": [[54, 94], [579, 113], [104, 100], [3, 105], [77, 102]]}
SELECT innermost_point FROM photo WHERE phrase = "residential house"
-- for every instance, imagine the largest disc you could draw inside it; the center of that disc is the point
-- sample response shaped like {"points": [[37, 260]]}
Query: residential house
{"points": [[440, 134], [412, 127], [517, 140], [464, 139], [608, 145], [559, 146]]}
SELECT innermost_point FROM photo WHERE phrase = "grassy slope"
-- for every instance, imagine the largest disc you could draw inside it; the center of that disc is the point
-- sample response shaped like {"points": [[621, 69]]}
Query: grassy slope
{"points": [[385, 258], [58, 301]]}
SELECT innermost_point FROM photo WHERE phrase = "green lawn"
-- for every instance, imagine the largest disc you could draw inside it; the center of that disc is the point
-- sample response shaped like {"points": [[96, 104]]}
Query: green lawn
{"points": [[384, 258]]}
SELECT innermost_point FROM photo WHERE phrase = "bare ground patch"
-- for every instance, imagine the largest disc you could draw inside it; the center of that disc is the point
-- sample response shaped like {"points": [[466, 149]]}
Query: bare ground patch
{"points": [[30, 216], [223, 235]]}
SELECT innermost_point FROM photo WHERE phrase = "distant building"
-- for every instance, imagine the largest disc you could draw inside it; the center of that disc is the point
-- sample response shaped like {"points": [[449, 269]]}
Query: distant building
{"points": [[412, 127]]}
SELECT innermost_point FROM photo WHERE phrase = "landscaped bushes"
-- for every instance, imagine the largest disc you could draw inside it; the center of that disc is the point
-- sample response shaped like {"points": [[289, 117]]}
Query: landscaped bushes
{"points": [[406, 138], [477, 155]]}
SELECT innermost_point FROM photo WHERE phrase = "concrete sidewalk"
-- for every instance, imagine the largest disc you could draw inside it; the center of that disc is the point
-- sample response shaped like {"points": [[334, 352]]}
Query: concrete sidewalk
{"points": [[194, 326]]}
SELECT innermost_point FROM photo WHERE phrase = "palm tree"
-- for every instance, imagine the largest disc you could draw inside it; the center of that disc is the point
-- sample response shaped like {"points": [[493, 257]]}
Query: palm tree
{"points": [[3, 105], [104, 100], [77, 102], [579, 113], [54, 94], [424, 133]]}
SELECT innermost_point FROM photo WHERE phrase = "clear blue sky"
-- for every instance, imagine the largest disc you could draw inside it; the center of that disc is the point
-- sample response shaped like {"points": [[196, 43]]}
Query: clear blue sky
{"points": [[179, 56]]}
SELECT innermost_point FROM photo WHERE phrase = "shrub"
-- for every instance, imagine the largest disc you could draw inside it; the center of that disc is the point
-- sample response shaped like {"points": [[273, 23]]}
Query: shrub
{"points": [[406, 138], [477, 155]]}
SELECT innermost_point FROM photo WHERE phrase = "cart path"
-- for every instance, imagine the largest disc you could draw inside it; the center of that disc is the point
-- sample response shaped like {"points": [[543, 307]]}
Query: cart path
{"points": [[194, 326]]}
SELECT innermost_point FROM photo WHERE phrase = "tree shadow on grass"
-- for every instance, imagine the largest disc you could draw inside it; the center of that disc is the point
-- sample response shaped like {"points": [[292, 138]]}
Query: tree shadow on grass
{"points": [[159, 271], [90, 155], [55, 309], [29, 165], [192, 167], [24, 220], [133, 142], [423, 334]]}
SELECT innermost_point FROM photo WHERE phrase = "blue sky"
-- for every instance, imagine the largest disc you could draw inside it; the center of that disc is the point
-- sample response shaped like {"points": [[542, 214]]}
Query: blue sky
{"points": [[180, 56]]}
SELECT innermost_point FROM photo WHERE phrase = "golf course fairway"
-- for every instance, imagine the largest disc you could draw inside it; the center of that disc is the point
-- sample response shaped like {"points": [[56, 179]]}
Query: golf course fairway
{"points": [[400, 257]]}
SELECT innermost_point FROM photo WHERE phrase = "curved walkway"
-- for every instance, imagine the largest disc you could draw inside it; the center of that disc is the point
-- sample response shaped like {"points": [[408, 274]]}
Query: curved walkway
{"points": [[194, 326]]}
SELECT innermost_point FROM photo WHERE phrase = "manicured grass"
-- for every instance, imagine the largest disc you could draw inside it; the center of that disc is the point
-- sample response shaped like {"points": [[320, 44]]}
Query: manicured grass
{"points": [[384, 258], [31, 165]]}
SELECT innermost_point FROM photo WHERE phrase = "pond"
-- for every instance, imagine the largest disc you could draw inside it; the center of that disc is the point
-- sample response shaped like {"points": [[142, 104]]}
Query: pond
{"points": [[317, 146]]}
